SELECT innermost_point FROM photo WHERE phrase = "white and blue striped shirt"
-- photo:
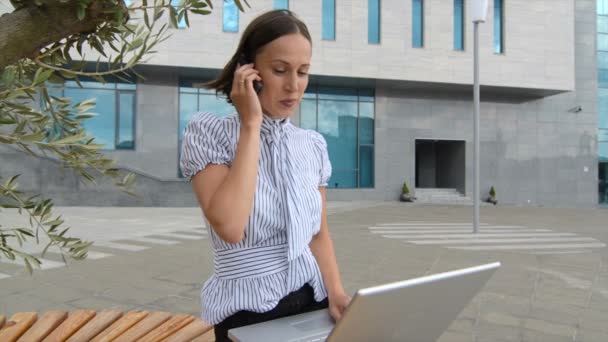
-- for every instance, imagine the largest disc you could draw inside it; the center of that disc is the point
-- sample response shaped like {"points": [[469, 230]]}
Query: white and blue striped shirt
{"points": [[274, 258]]}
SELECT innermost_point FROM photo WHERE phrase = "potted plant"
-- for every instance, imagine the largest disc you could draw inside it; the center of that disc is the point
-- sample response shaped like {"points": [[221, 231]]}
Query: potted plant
{"points": [[405, 194], [492, 198]]}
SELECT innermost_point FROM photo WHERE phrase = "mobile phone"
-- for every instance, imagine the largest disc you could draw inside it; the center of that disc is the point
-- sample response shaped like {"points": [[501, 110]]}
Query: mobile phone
{"points": [[257, 85]]}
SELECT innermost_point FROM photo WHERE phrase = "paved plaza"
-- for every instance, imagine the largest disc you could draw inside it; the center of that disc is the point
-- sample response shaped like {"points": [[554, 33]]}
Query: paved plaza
{"points": [[552, 286]]}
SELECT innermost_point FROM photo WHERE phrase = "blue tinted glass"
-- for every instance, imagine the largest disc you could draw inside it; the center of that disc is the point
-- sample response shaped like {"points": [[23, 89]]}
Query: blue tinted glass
{"points": [[126, 115], [329, 19], [215, 105], [603, 150], [417, 23], [86, 84], [366, 123], [602, 60], [281, 4], [366, 95], [602, 24], [343, 179], [373, 21], [458, 24], [181, 23], [188, 106], [126, 86], [602, 7], [338, 124], [308, 114], [602, 110], [366, 170], [231, 16], [602, 41], [102, 126], [498, 27], [602, 78]]}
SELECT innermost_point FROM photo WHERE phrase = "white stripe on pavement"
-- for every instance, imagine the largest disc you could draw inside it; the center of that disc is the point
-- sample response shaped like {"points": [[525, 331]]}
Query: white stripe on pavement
{"points": [[120, 246], [4, 275], [45, 263], [488, 248], [489, 241], [428, 224], [456, 231], [441, 227], [154, 241], [182, 236], [470, 235]]}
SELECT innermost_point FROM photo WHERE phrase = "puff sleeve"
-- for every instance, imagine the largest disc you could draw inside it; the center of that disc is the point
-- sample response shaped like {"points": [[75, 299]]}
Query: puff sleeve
{"points": [[325, 164], [204, 142]]}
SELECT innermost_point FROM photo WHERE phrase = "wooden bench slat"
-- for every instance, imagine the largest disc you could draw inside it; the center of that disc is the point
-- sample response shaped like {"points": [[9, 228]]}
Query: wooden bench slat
{"points": [[17, 325], [74, 322], [144, 326], [209, 336], [195, 329], [44, 326], [120, 326], [101, 321], [168, 328]]}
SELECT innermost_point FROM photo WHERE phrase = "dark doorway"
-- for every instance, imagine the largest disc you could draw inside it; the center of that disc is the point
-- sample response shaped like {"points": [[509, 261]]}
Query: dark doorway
{"points": [[440, 164]]}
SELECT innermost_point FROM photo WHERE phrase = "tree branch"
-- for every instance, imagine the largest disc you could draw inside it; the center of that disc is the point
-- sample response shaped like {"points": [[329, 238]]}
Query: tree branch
{"points": [[28, 29]]}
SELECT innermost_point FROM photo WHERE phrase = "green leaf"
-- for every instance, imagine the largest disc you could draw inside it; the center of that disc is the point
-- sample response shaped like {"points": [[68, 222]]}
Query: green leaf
{"points": [[41, 76], [173, 16], [80, 12], [7, 121], [200, 11]]}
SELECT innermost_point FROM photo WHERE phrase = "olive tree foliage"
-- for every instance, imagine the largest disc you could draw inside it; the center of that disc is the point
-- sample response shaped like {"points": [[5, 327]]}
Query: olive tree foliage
{"points": [[43, 43]]}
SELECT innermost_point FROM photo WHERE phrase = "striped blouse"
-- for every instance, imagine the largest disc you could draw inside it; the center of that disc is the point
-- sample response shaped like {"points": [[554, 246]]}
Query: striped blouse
{"points": [[274, 258]]}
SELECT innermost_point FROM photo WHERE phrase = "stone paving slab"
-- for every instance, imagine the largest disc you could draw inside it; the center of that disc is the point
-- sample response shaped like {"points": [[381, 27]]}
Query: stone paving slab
{"points": [[547, 297]]}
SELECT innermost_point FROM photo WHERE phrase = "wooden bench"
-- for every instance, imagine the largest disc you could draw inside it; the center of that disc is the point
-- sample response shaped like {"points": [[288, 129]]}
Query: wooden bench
{"points": [[104, 326]]}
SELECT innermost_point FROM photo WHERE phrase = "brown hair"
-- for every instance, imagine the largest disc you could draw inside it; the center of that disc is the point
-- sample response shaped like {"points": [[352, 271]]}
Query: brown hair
{"points": [[261, 31]]}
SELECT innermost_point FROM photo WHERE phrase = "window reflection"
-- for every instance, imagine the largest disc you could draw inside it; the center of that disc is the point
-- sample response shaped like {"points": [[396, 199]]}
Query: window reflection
{"points": [[345, 118]]}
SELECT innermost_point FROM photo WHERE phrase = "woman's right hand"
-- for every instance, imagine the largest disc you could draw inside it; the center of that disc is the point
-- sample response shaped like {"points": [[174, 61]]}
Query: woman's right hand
{"points": [[244, 97]]}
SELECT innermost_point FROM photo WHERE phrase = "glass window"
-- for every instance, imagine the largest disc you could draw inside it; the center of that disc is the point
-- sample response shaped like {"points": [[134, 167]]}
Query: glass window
{"points": [[602, 24], [114, 123], [373, 21], [602, 60], [231, 16], [347, 123], [417, 23], [602, 7], [602, 41], [308, 114], [458, 24], [329, 19], [180, 23], [281, 4], [602, 94], [498, 27]]}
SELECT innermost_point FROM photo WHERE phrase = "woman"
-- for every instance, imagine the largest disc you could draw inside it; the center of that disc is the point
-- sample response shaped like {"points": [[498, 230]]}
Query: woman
{"points": [[261, 183]]}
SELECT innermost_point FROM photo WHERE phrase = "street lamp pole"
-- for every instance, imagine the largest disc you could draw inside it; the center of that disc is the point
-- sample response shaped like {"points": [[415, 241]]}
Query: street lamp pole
{"points": [[479, 12]]}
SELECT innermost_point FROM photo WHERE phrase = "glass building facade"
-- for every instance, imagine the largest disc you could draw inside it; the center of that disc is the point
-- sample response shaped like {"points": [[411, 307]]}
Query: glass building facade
{"points": [[328, 18], [417, 23], [499, 27], [373, 21], [602, 93], [114, 124], [345, 118], [281, 4], [230, 16], [459, 25]]}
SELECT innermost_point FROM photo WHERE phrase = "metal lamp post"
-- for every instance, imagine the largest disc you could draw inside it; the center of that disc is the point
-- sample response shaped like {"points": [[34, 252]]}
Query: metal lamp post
{"points": [[479, 10]]}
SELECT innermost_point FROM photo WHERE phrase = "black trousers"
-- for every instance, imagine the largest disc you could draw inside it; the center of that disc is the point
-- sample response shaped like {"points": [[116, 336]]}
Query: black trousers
{"points": [[296, 302]]}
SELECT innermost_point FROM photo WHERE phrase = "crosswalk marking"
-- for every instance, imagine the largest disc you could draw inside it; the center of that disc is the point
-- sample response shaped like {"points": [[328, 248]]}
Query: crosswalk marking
{"points": [[182, 236], [455, 235], [45, 264], [120, 246], [154, 241], [3, 276]]}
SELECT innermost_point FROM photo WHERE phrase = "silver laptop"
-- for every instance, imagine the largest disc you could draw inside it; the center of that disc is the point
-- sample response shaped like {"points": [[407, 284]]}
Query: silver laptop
{"points": [[418, 309]]}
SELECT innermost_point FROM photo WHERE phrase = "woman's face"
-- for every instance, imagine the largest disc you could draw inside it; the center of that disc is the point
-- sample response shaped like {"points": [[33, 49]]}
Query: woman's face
{"points": [[283, 65]]}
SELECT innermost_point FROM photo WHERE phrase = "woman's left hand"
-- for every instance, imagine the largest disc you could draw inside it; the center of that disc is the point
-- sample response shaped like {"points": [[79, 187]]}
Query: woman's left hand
{"points": [[337, 304]]}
